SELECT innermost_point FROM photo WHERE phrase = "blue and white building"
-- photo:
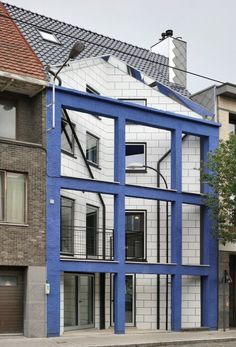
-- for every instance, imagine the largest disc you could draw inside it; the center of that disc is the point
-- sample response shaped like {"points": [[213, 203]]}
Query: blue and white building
{"points": [[134, 236], [128, 237]]}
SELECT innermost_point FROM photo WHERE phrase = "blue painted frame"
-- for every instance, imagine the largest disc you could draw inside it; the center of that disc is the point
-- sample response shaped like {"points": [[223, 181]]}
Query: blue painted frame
{"points": [[121, 113]]}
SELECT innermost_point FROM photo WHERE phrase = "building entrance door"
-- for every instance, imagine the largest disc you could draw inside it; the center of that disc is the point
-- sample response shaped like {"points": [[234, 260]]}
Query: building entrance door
{"points": [[78, 301]]}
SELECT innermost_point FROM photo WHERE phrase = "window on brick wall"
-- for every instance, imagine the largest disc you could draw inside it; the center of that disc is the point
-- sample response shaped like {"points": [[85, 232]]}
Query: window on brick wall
{"points": [[67, 138], [92, 149], [135, 157], [7, 119], [13, 197]]}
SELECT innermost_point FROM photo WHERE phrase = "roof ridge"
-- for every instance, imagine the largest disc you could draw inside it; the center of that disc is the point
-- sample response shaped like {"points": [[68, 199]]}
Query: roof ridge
{"points": [[86, 30]]}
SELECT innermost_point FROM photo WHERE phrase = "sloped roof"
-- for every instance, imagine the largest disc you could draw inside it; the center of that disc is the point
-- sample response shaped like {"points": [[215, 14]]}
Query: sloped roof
{"points": [[152, 64], [16, 54]]}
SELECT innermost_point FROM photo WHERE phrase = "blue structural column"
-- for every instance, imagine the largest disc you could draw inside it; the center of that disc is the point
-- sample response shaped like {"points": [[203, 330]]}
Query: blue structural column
{"points": [[119, 227], [176, 229], [209, 284], [53, 220]]}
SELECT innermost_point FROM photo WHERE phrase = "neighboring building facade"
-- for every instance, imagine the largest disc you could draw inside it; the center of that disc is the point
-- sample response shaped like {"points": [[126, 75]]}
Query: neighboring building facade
{"points": [[222, 101], [22, 185]]}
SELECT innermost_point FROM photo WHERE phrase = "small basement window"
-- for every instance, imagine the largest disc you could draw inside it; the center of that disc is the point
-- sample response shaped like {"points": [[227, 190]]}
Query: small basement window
{"points": [[46, 35]]}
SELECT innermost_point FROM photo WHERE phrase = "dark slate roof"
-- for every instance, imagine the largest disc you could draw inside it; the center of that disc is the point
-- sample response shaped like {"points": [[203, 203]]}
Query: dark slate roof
{"points": [[96, 45]]}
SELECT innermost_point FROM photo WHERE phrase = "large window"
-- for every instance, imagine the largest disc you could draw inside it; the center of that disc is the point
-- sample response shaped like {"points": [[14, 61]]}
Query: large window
{"points": [[12, 197], [7, 119], [67, 225], [67, 138], [135, 156], [92, 149], [232, 124], [135, 235]]}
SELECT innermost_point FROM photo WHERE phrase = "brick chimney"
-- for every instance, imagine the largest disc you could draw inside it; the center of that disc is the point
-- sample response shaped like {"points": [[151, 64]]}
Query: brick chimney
{"points": [[176, 50]]}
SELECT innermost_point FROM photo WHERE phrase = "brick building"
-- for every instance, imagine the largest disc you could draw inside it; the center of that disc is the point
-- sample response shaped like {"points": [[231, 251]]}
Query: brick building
{"points": [[22, 184]]}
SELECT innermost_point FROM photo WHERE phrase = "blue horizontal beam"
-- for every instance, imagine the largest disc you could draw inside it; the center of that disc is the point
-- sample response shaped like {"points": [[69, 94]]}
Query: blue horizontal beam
{"points": [[108, 107], [88, 266], [138, 268], [168, 269], [192, 198]]}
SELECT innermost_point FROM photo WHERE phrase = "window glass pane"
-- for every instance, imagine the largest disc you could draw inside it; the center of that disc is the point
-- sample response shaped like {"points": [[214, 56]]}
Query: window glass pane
{"points": [[67, 223], [7, 119], [91, 230], [15, 199], [2, 196], [8, 281], [232, 129], [134, 226], [48, 36], [92, 149], [67, 138], [135, 155]]}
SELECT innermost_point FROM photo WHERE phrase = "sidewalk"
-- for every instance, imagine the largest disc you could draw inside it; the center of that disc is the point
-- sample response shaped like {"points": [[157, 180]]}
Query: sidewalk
{"points": [[133, 338]]}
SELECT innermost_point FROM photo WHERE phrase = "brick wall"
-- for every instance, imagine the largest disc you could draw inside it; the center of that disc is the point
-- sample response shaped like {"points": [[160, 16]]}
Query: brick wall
{"points": [[25, 245]]}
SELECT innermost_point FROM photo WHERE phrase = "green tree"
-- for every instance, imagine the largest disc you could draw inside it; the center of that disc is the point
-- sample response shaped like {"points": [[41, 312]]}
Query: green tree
{"points": [[220, 174]]}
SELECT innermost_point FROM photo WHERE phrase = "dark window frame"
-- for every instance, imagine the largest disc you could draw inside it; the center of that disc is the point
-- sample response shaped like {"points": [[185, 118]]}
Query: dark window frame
{"points": [[92, 163], [144, 212], [97, 209], [71, 141], [138, 170], [232, 120], [72, 226]]}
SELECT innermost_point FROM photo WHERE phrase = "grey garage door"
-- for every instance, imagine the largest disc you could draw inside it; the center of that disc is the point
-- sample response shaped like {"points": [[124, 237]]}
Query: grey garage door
{"points": [[11, 301]]}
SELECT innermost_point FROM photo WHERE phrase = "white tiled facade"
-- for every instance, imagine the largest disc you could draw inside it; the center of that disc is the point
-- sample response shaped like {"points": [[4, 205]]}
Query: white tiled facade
{"points": [[112, 81]]}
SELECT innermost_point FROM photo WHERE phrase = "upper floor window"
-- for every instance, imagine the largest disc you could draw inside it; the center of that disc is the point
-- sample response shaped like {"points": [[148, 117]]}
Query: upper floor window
{"points": [[48, 36], [12, 197], [232, 124], [135, 156], [92, 149], [135, 234], [7, 119], [67, 138], [67, 225]]}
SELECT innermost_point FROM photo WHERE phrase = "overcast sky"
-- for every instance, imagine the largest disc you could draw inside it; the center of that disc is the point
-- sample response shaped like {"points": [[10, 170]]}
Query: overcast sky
{"points": [[208, 26]]}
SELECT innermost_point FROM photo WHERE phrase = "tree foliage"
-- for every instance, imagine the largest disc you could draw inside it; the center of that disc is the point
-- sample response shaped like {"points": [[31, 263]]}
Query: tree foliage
{"points": [[220, 174]]}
